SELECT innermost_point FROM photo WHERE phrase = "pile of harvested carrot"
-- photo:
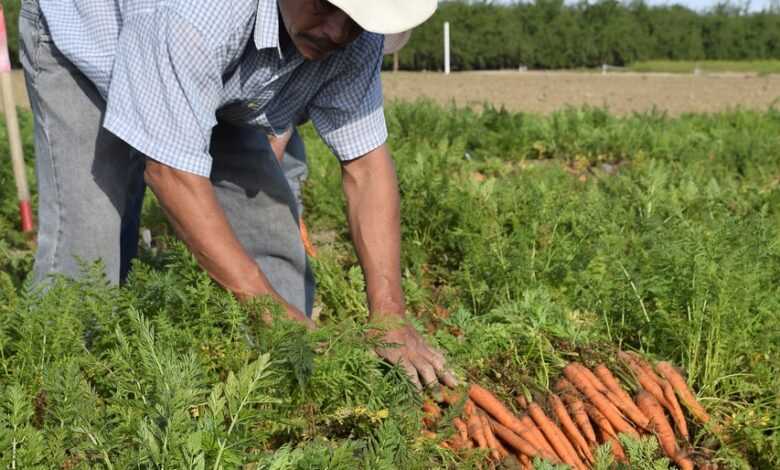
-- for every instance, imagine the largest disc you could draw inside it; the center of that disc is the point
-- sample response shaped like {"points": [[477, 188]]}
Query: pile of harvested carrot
{"points": [[588, 408]]}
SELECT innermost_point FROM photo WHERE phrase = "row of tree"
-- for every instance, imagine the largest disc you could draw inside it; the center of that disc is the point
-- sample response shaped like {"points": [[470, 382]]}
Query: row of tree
{"points": [[550, 34]]}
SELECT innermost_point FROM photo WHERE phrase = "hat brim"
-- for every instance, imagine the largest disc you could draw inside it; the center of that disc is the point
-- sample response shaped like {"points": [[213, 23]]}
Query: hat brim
{"points": [[387, 16], [395, 42]]}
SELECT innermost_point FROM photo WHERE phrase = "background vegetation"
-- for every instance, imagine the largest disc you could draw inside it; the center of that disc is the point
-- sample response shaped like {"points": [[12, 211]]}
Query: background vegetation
{"points": [[549, 34], [527, 241], [683, 66]]}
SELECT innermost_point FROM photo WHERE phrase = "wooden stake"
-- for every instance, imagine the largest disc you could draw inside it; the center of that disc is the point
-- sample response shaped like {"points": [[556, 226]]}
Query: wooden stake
{"points": [[14, 136]]}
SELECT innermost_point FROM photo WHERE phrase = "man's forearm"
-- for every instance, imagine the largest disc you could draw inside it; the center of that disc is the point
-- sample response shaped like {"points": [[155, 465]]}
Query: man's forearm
{"points": [[373, 206], [192, 208]]}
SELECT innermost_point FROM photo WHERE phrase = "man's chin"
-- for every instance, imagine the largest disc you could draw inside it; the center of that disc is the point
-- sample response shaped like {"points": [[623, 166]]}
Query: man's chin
{"points": [[312, 52], [308, 55]]}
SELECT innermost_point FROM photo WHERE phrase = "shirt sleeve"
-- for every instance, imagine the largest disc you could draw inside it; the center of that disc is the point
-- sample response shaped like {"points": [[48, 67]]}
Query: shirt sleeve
{"points": [[348, 110], [165, 90]]}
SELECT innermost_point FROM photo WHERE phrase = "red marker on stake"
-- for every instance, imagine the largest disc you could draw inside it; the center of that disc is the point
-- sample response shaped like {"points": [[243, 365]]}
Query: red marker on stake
{"points": [[12, 127]]}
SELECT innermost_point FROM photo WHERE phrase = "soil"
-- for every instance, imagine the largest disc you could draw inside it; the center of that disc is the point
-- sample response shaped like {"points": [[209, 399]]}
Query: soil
{"points": [[620, 92], [545, 92]]}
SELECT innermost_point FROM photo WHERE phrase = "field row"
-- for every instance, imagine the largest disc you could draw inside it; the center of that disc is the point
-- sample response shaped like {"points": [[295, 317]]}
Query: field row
{"points": [[529, 242]]}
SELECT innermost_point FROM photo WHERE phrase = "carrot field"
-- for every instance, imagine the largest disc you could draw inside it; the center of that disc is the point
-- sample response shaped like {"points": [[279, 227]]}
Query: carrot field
{"points": [[529, 242]]}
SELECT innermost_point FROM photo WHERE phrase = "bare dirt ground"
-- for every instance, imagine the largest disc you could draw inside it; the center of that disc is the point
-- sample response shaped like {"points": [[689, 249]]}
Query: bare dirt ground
{"points": [[544, 92], [620, 93]]}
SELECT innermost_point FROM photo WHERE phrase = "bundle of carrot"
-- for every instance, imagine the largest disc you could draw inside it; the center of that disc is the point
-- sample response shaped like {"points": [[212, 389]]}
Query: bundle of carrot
{"points": [[588, 408]]}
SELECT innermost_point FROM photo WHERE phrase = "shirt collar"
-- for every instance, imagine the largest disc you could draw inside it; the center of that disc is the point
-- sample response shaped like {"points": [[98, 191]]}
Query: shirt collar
{"points": [[267, 26]]}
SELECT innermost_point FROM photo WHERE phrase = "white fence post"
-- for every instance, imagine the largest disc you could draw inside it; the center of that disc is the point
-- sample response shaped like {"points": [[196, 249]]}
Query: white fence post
{"points": [[446, 47]]}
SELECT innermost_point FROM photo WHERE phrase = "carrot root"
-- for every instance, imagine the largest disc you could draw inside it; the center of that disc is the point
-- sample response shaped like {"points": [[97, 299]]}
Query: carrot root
{"points": [[492, 442], [680, 386], [570, 429], [525, 462], [519, 444], [476, 432], [614, 444], [555, 437], [621, 399], [583, 384], [675, 410], [523, 427], [580, 415], [661, 427], [462, 428]]}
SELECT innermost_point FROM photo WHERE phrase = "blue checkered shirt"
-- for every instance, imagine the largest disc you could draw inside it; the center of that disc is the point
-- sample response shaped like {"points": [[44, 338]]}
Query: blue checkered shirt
{"points": [[169, 69]]}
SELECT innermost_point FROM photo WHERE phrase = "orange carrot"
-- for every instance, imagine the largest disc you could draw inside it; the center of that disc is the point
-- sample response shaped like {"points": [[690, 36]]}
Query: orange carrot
{"points": [[524, 427], [469, 408], [663, 392], [639, 360], [456, 443], [683, 461], [595, 381], [675, 409], [647, 381], [599, 401], [555, 437], [525, 462], [663, 430], [599, 420], [311, 251], [621, 398], [492, 442], [661, 427], [476, 432], [680, 386], [502, 451], [431, 413], [451, 397], [607, 433], [536, 434], [577, 408], [461, 427], [568, 426], [614, 444], [564, 386], [520, 444]]}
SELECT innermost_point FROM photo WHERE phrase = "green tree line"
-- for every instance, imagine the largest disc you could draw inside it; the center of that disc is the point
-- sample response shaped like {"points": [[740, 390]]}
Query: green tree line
{"points": [[548, 34]]}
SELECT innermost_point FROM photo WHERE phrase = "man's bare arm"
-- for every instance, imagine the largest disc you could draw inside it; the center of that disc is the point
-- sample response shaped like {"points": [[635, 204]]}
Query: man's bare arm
{"points": [[373, 211], [373, 206], [192, 208]]}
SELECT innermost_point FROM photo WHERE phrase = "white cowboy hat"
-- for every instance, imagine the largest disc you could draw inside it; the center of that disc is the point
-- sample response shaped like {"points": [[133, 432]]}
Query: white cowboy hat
{"points": [[394, 42], [387, 16]]}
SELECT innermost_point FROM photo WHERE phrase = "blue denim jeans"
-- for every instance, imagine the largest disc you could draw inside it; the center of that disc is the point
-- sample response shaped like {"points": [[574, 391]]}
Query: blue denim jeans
{"points": [[91, 187]]}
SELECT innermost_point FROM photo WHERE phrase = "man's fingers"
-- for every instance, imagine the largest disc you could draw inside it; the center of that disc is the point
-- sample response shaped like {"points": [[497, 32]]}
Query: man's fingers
{"points": [[411, 371], [426, 371], [437, 355], [436, 358], [447, 378]]}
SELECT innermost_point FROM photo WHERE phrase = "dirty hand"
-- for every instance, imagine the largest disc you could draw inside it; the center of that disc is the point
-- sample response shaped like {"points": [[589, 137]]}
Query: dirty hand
{"points": [[425, 365]]}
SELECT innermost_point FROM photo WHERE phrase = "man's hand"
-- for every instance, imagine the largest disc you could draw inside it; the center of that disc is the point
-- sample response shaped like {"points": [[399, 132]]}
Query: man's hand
{"points": [[373, 211], [424, 365]]}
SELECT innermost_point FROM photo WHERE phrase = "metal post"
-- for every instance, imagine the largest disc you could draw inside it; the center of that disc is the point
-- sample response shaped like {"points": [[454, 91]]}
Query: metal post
{"points": [[12, 127], [447, 47]]}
